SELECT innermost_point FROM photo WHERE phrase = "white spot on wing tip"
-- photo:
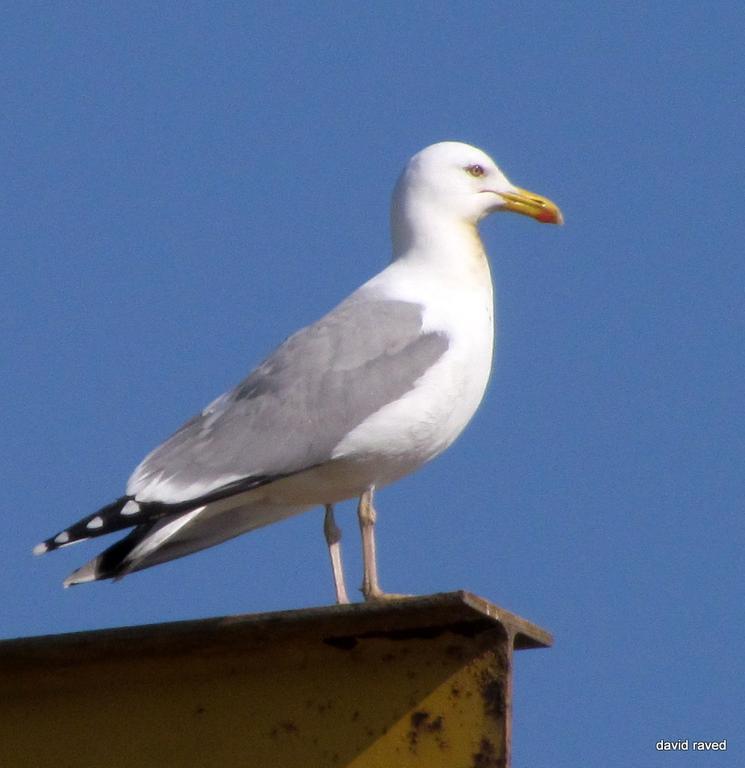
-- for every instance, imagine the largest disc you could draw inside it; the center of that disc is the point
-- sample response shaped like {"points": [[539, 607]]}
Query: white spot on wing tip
{"points": [[130, 508], [40, 549], [62, 538], [96, 522]]}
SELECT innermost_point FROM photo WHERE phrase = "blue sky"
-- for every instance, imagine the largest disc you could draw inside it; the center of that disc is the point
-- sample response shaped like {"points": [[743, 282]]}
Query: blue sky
{"points": [[186, 184]]}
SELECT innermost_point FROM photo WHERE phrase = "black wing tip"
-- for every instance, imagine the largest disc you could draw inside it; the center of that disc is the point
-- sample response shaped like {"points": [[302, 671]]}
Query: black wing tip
{"points": [[125, 512]]}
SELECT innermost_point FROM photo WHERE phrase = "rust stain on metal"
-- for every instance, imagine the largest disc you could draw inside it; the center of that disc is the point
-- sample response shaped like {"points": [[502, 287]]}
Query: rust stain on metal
{"points": [[487, 756], [417, 721], [436, 725], [493, 686], [493, 694], [422, 723]]}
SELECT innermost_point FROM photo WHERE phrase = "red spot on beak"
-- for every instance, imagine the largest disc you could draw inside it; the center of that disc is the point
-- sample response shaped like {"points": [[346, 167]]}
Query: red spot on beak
{"points": [[547, 217]]}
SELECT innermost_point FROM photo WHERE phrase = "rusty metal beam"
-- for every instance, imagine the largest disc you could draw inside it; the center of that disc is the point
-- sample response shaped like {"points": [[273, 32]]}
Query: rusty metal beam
{"points": [[423, 681]]}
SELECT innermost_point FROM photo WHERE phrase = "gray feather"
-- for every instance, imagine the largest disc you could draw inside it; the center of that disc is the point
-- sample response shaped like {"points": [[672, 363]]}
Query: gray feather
{"points": [[295, 407]]}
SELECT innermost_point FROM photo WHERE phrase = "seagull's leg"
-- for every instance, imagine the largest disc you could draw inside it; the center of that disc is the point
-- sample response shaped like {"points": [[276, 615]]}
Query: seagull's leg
{"points": [[333, 539], [367, 516]]}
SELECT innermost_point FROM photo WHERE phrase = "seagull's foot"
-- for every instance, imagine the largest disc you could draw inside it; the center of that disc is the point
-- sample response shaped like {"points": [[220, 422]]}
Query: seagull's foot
{"points": [[378, 596]]}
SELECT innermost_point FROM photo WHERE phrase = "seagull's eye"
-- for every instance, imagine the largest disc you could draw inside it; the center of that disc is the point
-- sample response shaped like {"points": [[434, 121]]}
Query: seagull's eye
{"points": [[476, 170]]}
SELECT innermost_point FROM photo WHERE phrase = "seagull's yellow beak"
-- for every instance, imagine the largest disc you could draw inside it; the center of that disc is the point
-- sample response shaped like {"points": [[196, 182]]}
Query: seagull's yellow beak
{"points": [[530, 204]]}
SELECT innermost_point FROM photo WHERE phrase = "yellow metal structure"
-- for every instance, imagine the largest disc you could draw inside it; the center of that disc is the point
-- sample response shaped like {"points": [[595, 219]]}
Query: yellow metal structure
{"points": [[422, 681]]}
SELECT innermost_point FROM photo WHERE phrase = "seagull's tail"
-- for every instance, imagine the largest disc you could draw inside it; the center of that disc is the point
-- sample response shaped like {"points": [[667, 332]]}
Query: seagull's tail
{"points": [[164, 535], [131, 553], [122, 513]]}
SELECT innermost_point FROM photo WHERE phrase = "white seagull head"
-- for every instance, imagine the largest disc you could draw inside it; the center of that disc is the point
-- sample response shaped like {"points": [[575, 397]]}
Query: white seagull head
{"points": [[455, 181]]}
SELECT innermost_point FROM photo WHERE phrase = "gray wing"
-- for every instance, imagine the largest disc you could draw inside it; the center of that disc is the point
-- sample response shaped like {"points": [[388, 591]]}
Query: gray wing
{"points": [[292, 411]]}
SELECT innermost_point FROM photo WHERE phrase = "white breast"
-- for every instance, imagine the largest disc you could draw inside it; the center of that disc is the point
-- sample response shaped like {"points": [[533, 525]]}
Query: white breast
{"points": [[403, 435]]}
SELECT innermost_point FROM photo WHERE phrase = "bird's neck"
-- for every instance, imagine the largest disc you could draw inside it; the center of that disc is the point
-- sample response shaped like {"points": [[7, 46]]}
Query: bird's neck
{"points": [[439, 238]]}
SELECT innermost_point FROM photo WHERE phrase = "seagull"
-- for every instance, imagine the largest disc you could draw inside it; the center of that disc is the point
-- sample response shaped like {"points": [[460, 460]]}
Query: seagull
{"points": [[376, 388]]}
